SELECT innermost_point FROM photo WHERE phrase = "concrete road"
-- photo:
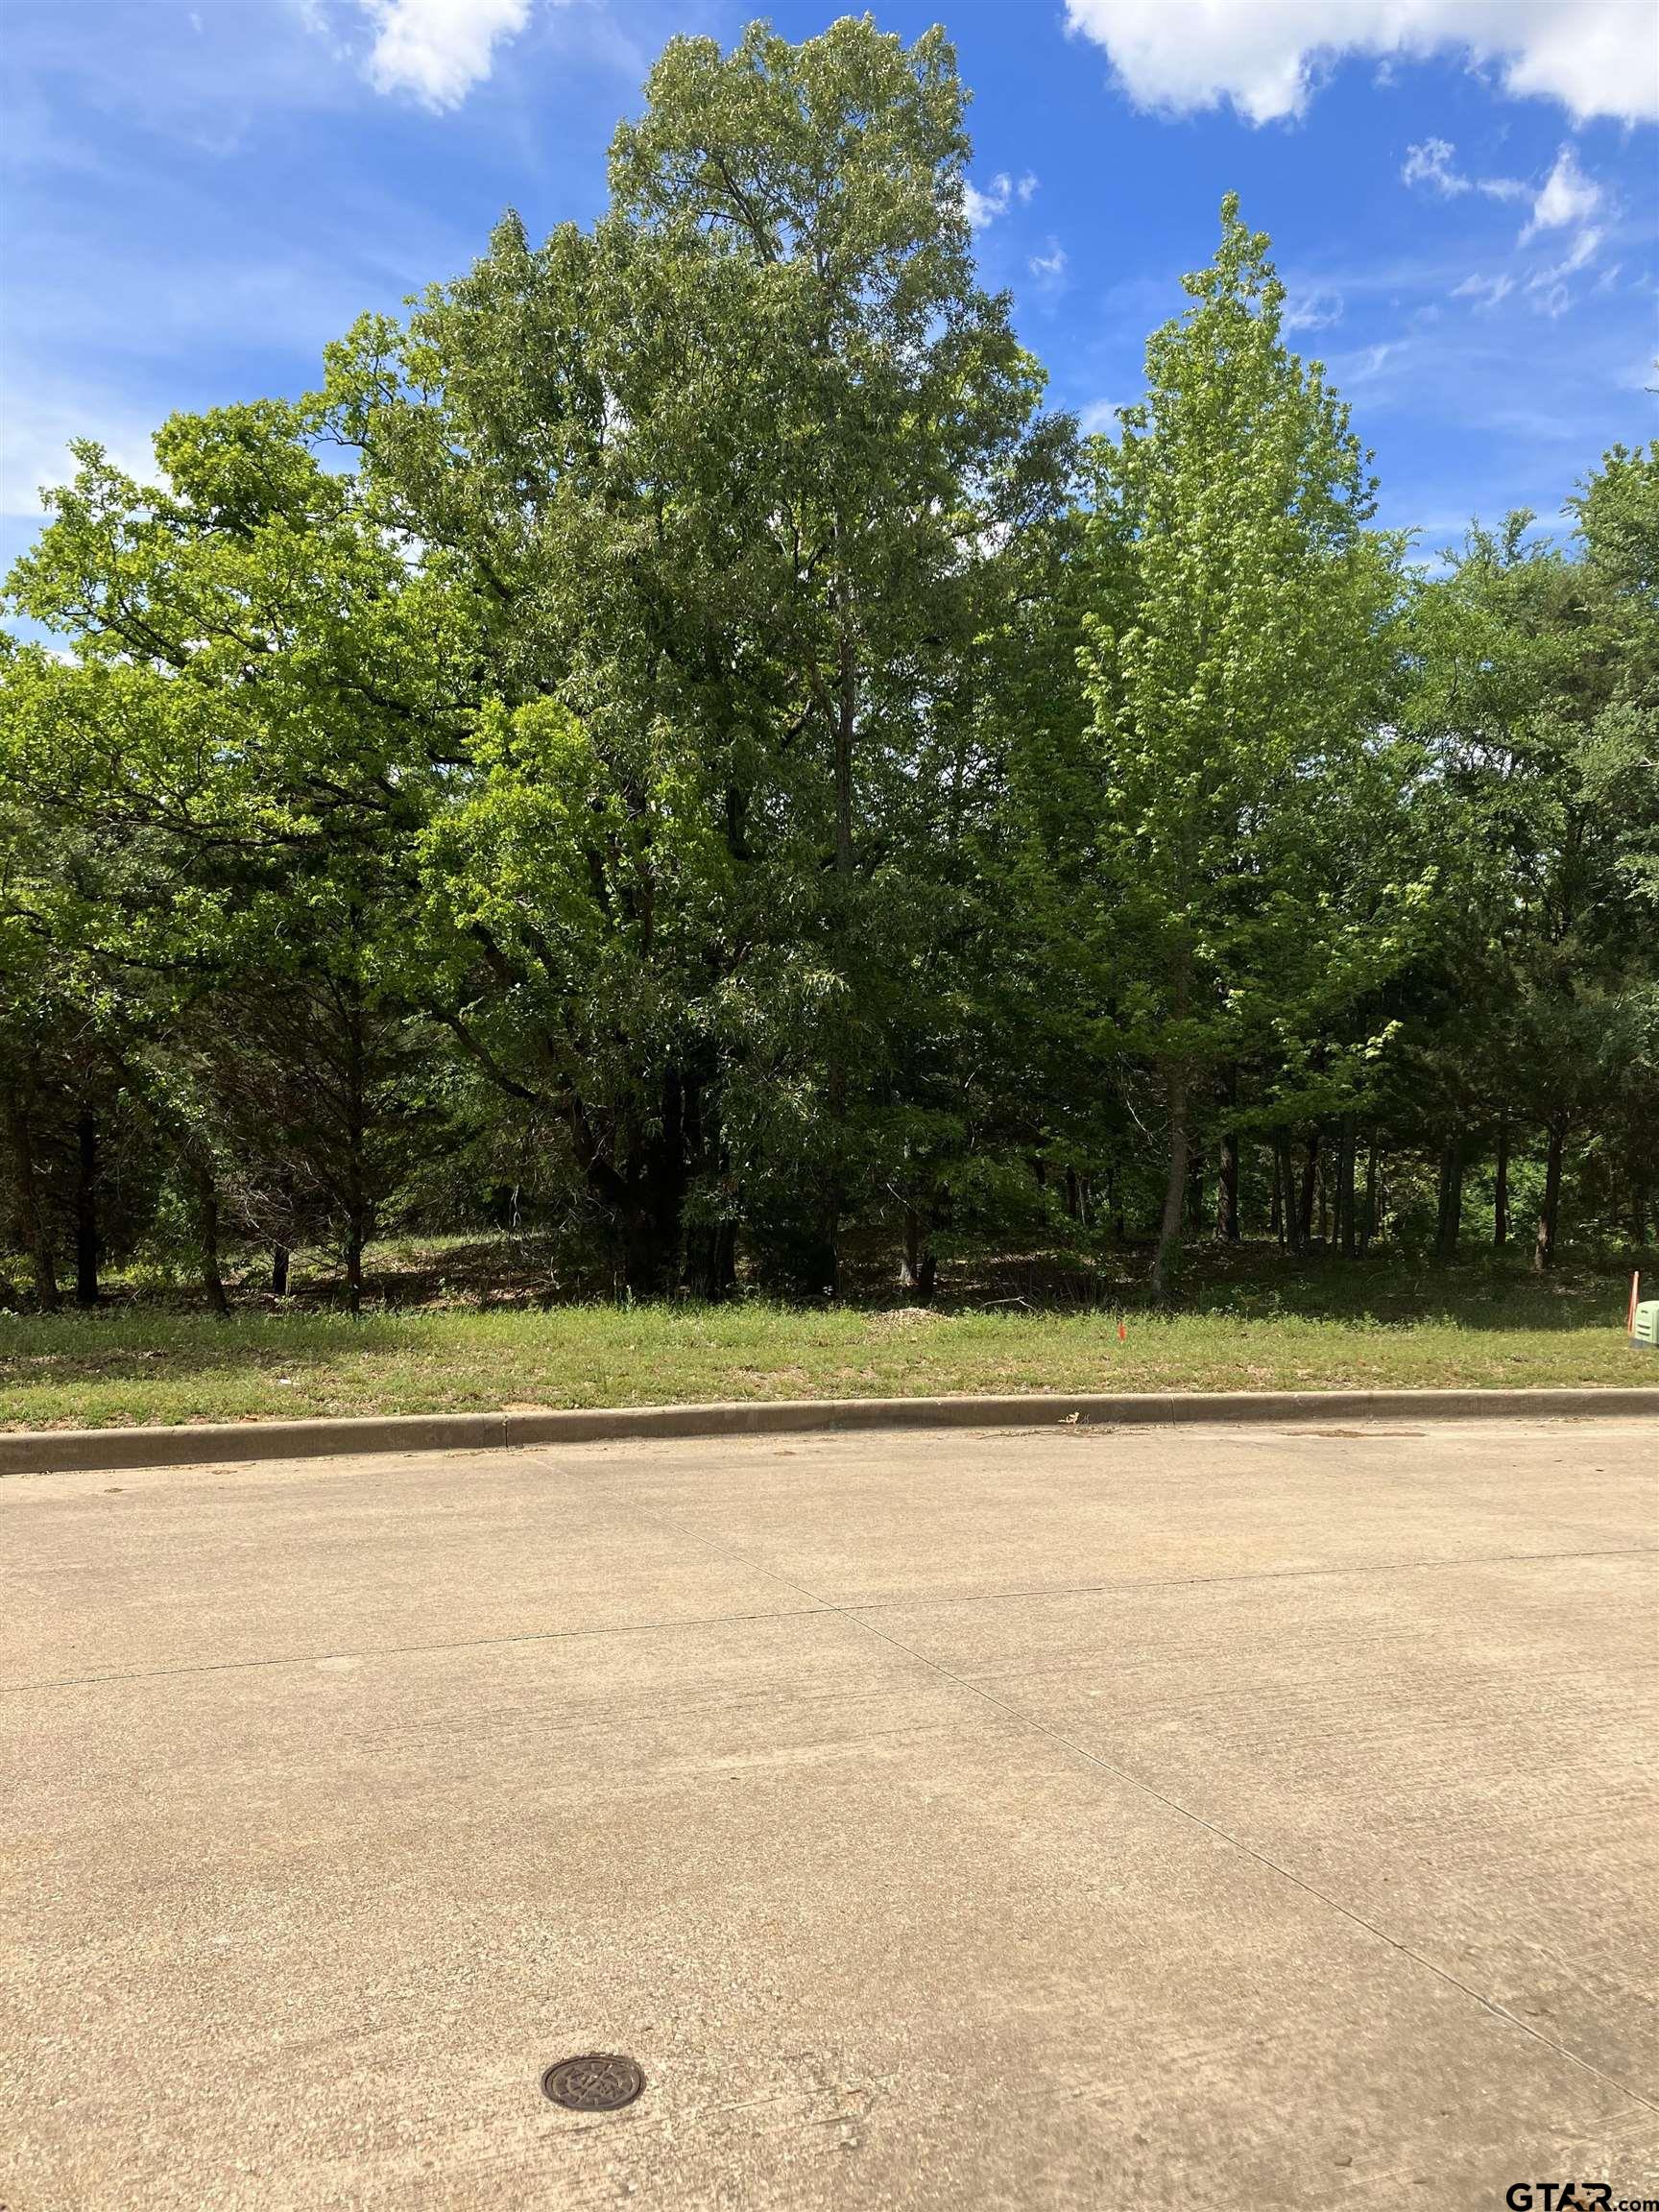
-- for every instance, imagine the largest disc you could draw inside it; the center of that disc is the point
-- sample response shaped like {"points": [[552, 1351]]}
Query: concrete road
{"points": [[1196, 1818]]}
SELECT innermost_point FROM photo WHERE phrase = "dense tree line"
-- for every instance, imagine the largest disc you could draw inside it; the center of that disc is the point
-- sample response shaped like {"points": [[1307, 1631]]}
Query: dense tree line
{"points": [[673, 740]]}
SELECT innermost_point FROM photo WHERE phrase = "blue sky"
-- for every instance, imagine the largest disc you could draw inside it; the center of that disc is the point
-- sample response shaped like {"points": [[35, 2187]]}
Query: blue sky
{"points": [[1462, 196]]}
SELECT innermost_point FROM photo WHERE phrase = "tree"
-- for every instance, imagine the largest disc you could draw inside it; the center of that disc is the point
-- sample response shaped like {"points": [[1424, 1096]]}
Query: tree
{"points": [[228, 782], [673, 726], [1536, 688], [1235, 663], [721, 485]]}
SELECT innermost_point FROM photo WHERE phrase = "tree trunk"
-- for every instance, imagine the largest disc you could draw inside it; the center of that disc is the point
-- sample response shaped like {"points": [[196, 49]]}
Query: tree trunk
{"points": [[1449, 1225], [1178, 1091], [910, 1259], [846, 728], [208, 1234], [1550, 1212], [356, 1192], [278, 1270], [34, 1224], [1227, 1163], [1174, 1190], [1276, 1210], [1368, 1220], [709, 1267], [643, 1269], [826, 1257], [1500, 1189], [1074, 1198], [1309, 1179], [86, 1207], [711, 1261], [1227, 1191], [1198, 1187], [644, 1206], [919, 1269], [1345, 1223]]}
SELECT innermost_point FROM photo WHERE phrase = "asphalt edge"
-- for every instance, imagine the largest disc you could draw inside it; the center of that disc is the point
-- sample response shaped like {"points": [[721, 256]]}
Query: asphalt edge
{"points": [[67, 1451]]}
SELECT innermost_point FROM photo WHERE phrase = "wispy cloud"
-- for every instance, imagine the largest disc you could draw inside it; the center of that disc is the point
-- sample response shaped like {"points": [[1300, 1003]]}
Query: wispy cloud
{"points": [[1316, 310], [1548, 288], [1049, 269], [1432, 164], [1568, 201], [1567, 197], [982, 209], [1367, 364], [1484, 291]]}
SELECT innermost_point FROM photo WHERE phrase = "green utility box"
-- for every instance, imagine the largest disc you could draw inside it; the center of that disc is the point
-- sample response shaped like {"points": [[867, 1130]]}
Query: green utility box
{"points": [[1644, 1328]]}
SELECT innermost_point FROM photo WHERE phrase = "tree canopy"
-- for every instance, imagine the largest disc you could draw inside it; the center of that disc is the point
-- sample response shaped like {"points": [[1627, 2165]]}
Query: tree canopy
{"points": [[674, 737]]}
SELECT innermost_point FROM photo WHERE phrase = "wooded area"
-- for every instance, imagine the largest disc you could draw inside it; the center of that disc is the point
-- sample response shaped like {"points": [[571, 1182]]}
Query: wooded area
{"points": [[673, 746]]}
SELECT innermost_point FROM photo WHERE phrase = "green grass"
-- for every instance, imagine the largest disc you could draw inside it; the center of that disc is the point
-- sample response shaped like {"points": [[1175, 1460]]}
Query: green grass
{"points": [[1253, 1325]]}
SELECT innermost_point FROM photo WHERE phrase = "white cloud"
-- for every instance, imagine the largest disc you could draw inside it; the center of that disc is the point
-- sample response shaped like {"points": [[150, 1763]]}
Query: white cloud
{"points": [[1567, 195], [1366, 366], [1100, 415], [1546, 288], [1315, 311], [1594, 56], [438, 49], [1430, 163], [982, 209], [1580, 253], [1567, 201], [1484, 291], [1051, 267], [1549, 298]]}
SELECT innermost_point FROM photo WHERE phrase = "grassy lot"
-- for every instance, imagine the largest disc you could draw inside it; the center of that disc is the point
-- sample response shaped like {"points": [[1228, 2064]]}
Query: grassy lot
{"points": [[1252, 1323]]}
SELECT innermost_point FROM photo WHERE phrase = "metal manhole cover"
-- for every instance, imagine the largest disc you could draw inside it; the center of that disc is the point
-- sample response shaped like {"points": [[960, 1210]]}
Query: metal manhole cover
{"points": [[598, 2081]]}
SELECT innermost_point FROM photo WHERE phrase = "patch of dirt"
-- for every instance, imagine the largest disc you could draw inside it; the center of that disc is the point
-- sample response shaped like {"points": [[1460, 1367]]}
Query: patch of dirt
{"points": [[1363, 1434]]}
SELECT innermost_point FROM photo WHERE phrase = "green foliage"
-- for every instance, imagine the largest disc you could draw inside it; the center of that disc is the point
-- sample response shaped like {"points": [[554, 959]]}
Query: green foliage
{"points": [[672, 737], [1221, 836]]}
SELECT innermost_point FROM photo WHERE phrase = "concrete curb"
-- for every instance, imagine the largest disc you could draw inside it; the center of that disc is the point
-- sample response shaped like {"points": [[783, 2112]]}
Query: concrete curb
{"points": [[49, 1451]]}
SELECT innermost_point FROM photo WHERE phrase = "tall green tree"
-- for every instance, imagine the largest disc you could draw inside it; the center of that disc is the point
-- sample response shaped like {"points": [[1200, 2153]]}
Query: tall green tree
{"points": [[1536, 693], [1235, 664], [227, 778], [721, 484]]}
